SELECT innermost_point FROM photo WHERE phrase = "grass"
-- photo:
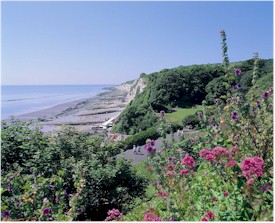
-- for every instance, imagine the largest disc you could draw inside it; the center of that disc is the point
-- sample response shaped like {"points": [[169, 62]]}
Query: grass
{"points": [[177, 116]]}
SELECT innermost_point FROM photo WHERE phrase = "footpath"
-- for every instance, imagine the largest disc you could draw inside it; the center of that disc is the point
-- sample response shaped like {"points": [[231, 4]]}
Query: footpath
{"points": [[137, 158]]}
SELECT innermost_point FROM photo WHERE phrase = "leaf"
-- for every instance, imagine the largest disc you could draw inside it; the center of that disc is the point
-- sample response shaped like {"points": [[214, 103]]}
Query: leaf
{"points": [[41, 180], [61, 172], [27, 186]]}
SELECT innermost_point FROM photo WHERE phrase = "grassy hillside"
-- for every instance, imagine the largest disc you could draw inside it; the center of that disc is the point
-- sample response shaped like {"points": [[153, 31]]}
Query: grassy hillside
{"points": [[177, 116], [183, 87]]}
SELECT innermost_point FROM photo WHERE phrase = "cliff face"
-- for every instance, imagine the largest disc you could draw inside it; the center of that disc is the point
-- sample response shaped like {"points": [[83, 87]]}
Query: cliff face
{"points": [[132, 89], [137, 87]]}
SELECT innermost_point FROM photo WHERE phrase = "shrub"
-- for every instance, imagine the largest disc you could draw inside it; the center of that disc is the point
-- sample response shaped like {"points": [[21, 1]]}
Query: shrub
{"points": [[140, 138], [67, 176], [192, 120]]}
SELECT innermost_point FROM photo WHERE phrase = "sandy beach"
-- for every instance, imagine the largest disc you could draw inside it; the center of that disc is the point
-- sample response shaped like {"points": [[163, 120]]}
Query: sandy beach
{"points": [[86, 113]]}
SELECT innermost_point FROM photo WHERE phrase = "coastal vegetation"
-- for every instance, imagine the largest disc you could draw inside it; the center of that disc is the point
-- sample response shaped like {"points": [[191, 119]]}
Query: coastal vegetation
{"points": [[67, 176], [182, 87], [224, 174]]}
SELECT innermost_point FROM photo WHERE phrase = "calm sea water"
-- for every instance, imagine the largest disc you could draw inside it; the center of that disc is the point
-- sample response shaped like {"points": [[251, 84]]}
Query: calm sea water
{"points": [[17, 100]]}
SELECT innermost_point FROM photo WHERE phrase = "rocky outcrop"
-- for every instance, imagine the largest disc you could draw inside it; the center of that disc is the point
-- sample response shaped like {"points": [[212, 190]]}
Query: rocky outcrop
{"points": [[132, 89]]}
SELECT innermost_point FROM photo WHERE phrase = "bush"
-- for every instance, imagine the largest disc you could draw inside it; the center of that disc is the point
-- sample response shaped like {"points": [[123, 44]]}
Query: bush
{"points": [[192, 120], [140, 138], [67, 176]]}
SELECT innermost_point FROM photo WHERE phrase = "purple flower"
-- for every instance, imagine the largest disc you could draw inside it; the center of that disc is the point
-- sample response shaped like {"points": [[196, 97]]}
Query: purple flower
{"points": [[237, 71], [233, 87], [234, 115], [238, 86], [9, 189], [162, 113], [265, 95], [56, 199], [192, 140], [46, 211], [258, 104], [6, 214], [150, 149], [17, 201], [170, 158]]}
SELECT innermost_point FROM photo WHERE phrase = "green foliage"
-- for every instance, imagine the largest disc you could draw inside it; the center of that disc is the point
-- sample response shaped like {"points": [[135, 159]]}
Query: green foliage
{"points": [[217, 186], [192, 120], [177, 116], [69, 173], [140, 138], [181, 86], [18, 144], [212, 176], [137, 116], [215, 89], [218, 87]]}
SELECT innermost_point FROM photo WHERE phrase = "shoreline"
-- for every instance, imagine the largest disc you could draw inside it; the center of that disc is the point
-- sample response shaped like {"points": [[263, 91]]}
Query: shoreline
{"points": [[84, 113]]}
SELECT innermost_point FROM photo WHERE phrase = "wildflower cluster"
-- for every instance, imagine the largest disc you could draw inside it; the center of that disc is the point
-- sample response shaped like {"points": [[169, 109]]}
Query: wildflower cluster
{"points": [[252, 168], [188, 161], [163, 194], [149, 146], [219, 153], [151, 217], [113, 214]]}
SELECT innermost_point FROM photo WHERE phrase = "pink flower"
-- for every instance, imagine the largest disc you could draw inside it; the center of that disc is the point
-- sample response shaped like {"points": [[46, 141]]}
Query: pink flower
{"points": [[234, 149], [149, 149], [231, 163], [225, 194], [220, 151], [252, 167], [210, 215], [204, 219], [214, 199], [184, 172], [188, 161], [170, 167], [152, 142], [210, 158], [113, 215], [151, 217], [204, 152], [171, 173], [163, 194], [250, 182]]}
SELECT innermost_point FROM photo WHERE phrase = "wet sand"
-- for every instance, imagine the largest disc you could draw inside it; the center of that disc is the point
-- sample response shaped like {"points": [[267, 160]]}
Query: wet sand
{"points": [[82, 114]]}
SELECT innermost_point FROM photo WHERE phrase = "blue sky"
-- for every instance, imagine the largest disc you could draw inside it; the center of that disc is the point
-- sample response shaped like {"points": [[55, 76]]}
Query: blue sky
{"points": [[113, 42]]}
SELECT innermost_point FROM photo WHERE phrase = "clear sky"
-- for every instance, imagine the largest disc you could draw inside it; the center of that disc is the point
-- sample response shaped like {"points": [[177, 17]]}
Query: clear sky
{"points": [[113, 42]]}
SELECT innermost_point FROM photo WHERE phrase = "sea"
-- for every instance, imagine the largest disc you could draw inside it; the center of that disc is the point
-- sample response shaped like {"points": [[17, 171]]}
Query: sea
{"points": [[21, 99]]}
